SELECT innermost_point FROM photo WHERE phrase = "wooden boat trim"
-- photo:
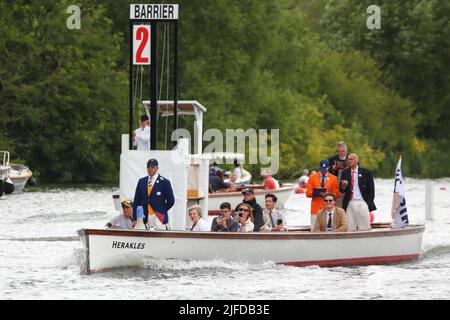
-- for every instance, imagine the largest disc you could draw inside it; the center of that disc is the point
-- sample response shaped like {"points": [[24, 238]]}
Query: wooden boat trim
{"points": [[353, 261], [291, 235]]}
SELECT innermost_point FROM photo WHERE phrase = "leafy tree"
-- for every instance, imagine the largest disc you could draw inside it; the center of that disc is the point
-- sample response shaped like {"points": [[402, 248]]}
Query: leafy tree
{"points": [[63, 100]]}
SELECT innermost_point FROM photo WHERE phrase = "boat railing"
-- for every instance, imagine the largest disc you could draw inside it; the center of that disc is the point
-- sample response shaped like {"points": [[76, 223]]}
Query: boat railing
{"points": [[4, 166], [5, 157]]}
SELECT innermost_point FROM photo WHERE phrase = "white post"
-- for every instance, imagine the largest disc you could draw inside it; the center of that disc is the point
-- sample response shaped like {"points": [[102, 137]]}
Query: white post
{"points": [[429, 200]]}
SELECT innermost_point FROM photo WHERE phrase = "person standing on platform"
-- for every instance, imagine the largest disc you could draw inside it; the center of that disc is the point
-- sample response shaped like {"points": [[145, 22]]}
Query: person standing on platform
{"points": [[154, 193], [359, 188], [141, 136], [318, 185]]}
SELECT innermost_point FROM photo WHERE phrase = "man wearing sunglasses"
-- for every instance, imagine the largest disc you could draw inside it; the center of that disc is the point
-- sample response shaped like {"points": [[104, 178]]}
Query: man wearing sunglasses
{"points": [[123, 221], [331, 218]]}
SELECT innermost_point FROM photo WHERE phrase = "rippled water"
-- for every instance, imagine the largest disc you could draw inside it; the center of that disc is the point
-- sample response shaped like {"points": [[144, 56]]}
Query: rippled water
{"points": [[41, 257]]}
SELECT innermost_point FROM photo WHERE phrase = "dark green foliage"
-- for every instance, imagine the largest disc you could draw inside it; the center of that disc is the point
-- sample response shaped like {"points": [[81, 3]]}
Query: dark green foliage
{"points": [[62, 105], [308, 68]]}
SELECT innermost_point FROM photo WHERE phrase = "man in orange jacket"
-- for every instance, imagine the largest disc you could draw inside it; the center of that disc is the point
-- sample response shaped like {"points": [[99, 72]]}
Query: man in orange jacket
{"points": [[318, 185]]}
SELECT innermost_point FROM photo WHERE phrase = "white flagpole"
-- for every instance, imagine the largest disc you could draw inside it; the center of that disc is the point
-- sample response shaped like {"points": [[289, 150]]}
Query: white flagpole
{"points": [[395, 200]]}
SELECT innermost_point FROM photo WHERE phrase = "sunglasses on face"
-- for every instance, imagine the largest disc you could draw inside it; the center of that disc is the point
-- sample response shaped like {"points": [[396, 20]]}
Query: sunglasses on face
{"points": [[246, 210], [329, 200]]}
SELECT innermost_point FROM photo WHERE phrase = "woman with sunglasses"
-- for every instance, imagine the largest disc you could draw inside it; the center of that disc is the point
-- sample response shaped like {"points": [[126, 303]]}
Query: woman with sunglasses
{"points": [[244, 215], [331, 218]]}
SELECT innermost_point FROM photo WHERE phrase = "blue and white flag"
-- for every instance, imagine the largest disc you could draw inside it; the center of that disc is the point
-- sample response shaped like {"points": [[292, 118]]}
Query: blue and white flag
{"points": [[399, 210]]}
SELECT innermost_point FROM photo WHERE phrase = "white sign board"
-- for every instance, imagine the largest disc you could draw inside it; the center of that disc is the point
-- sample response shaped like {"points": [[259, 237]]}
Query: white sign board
{"points": [[141, 44], [154, 11]]}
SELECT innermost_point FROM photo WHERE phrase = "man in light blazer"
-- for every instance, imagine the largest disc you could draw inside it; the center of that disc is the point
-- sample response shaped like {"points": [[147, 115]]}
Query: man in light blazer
{"points": [[331, 218], [154, 193]]}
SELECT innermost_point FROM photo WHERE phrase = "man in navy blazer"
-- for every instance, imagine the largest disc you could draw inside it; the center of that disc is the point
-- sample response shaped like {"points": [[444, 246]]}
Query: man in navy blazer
{"points": [[359, 188], [160, 200]]}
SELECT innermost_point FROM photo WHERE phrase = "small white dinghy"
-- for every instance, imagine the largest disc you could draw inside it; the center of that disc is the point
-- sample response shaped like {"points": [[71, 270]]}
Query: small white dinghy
{"points": [[107, 249]]}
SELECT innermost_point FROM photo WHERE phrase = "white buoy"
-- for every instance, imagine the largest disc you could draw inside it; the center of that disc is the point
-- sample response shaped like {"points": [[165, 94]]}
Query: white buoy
{"points": [[429, 200]]}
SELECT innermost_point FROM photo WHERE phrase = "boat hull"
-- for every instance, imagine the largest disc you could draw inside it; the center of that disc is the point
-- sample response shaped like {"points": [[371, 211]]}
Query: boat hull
{"points": [[20, 175], [235, 197], [107, 249]]}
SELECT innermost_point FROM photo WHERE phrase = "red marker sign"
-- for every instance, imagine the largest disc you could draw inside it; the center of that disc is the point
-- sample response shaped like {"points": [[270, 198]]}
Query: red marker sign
{"points": [[141, 44]]}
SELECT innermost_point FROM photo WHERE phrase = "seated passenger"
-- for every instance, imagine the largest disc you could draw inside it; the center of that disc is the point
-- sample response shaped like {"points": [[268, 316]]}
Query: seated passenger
{"points": [[123, 221], [331, 218], [198, 223], [269, 182], [224, 222], [244, 215], [277, 218], [216, 182], [303, 180], [257, 214], [214, 168]]}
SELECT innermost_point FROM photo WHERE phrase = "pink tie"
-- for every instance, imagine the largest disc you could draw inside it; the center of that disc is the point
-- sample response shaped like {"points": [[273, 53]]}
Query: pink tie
{"points": [[352, 184]]}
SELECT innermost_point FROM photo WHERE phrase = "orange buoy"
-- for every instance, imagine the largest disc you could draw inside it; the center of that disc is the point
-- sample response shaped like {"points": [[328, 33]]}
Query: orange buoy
{"points": [[299, 190]]}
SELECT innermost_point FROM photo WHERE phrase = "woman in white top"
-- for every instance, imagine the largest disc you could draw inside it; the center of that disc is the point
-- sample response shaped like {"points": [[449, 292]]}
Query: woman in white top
{"points": [[198, 223]]}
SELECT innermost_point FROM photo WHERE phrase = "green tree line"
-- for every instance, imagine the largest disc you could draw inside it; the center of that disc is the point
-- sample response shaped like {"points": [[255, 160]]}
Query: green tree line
{"points": [[310, 69]]}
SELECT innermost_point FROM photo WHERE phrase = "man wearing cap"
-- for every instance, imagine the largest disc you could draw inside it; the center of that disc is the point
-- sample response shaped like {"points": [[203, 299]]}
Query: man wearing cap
{"points": [[359, 188], [249, 198], [123, 221], [318, 185], [154, 193]]}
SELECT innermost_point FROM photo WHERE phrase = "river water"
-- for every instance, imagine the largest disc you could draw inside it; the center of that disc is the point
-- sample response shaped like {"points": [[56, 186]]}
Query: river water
{"points": [[40, 256]]}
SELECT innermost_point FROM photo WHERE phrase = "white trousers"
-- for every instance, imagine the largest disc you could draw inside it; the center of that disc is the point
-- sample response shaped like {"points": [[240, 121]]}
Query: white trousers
{"points": [[358, 216], [154, 223], [313, 221]]}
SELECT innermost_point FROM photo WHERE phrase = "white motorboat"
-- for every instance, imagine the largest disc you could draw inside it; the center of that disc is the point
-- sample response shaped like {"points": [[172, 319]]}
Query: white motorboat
{"points": [[20, 175], [105, 249], [6, 184]]}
